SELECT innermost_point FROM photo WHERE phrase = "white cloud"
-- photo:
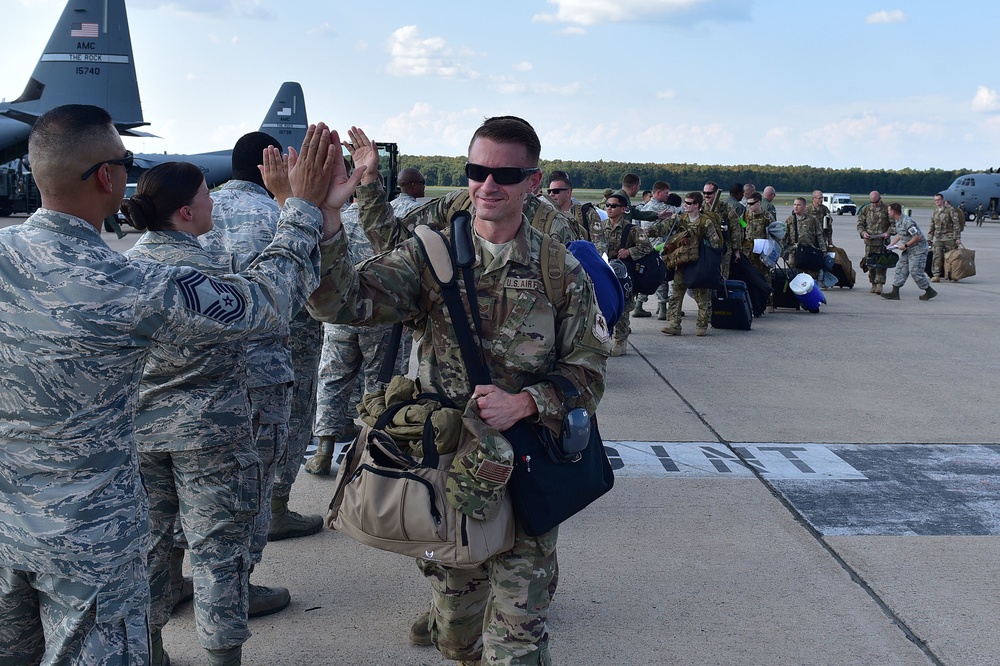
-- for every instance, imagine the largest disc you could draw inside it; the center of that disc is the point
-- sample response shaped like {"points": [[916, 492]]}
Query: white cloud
{"points": [[523, 66], [666, 94], [593, 12], [986, 100], [322, 29], [572, 30], [508, 85], [413, 55], [426, 130], [895, 16]]}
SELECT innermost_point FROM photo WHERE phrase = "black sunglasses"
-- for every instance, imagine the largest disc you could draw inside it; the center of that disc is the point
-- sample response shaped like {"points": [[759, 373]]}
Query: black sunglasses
{"points": [[557, 190], [126, 162], [501, 175], [615, 206]]}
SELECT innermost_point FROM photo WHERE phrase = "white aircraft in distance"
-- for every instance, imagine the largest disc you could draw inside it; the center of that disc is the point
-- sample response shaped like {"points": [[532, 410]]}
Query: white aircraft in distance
{"points": [[973, 189]]}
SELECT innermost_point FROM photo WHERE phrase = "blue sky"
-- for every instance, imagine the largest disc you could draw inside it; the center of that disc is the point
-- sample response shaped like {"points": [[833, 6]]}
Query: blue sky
{"points": [[856, 83]]}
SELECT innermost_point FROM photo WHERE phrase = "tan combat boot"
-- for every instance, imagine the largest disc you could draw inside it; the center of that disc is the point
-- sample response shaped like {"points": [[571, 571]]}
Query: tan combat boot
{"points": [[230, 657], [420, 631], [287, 524], [322, 461]]}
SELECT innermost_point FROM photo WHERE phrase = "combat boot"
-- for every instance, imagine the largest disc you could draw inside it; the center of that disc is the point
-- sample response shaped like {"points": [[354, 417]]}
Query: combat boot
{"points": [[639, 312], [661, 311], [619, 348], [157, 655], [892, 295], [322, 461], [420, 631], [181, 586], [936, 278], [267, 600], [671, 330], [230, 657], [287, 524], [878, 287], [928, 294]]}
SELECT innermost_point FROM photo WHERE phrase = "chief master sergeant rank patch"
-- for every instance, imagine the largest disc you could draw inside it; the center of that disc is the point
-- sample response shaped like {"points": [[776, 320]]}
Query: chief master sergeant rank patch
{"points": [[210, 298]]}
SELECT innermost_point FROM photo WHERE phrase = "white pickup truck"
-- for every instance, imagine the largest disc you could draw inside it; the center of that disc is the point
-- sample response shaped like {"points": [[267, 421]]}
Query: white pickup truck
{"points": [[840, 203]]}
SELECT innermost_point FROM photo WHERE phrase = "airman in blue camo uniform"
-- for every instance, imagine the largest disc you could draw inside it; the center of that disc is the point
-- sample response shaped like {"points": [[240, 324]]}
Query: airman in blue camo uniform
{"points": [[245, 216], [78, 322], [192, 426]]}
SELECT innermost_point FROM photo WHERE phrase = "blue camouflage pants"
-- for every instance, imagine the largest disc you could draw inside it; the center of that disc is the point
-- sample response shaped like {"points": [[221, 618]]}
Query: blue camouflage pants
{"points": [[50, 619], [350, 353], [216, 493], [270, 408], [498, 611], [306, 344], [912, 263]]}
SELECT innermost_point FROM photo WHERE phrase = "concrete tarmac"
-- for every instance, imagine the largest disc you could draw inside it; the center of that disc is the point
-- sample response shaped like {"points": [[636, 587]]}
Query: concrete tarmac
{"points": [[834, 501]]}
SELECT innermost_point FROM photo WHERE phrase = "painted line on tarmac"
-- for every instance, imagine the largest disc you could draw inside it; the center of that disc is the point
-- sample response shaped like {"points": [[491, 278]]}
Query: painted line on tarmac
{"points": [[711, 459]]}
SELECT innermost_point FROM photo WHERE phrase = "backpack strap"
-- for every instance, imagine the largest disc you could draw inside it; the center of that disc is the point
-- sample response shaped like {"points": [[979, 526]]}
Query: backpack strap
{"points": [[553, 260], [441, 262]]}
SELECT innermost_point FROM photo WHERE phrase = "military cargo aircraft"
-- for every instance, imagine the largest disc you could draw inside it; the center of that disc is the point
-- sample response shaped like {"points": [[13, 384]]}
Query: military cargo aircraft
{"points": [[285, 121], [975, 189], [88, 60]]}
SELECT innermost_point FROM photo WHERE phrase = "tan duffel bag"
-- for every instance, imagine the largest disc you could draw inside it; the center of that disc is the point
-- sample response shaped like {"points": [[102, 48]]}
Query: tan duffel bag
{"points": [[424, 505], [959, 263]]}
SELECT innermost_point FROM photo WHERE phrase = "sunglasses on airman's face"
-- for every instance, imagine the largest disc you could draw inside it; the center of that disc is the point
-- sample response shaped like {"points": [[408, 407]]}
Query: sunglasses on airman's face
{"points": [[501, 175]]}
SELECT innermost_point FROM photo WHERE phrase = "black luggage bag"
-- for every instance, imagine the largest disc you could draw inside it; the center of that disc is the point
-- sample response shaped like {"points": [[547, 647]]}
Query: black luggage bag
{"points": [[783, 295], [731, 307]]}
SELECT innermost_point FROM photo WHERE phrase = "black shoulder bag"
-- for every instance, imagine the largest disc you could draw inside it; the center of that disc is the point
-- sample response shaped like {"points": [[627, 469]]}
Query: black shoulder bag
{"points": [[647, 272]]}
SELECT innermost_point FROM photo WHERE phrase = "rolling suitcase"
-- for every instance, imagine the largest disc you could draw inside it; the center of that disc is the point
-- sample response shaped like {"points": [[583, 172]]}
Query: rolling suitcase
{"points": [[781, 292], [842, 268], [731, 307]]}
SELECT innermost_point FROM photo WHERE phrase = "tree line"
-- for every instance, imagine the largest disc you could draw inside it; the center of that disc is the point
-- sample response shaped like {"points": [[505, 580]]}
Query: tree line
{"points": [[450, 172]]}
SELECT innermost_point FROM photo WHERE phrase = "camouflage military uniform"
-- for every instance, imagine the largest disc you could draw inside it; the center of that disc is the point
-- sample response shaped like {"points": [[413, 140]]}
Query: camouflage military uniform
{"points": [[756, 228], [351, 353], [803, 230], [497, 611], [769, 208], [874, 220], [727, 225], [699, 230], [305, 343], [403, 204], [197, 459], [823, 219], [245, 215], [638, 246], [946, 235], [66, 428], [656, 206], [587, 222], [913, 260]]}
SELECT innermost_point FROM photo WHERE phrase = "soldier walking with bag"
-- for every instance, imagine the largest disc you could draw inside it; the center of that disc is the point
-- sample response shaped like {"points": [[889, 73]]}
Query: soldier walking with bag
{"points": [[497, 611]]}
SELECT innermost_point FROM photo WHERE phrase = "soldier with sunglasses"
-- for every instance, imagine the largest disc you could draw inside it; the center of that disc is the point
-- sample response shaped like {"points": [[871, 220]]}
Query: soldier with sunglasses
{"points": [[497, 612]]}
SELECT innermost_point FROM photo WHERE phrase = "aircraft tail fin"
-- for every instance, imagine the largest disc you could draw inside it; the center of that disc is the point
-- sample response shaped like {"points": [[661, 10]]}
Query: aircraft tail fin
{"points": [[88, 60], [286, 120]]}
